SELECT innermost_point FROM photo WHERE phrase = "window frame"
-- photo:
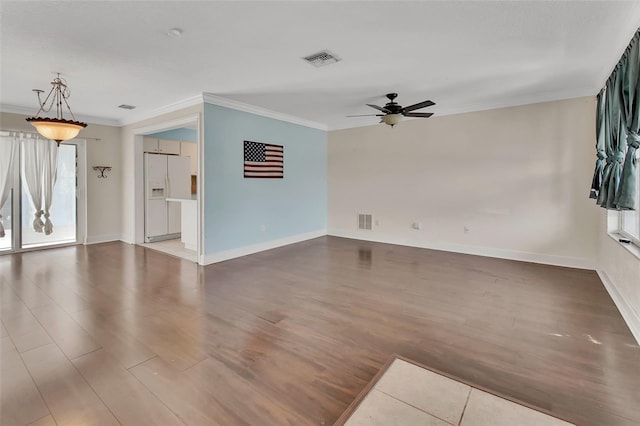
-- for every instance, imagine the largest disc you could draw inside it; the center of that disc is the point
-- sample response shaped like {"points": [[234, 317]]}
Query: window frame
{"points": [[635, 239]]}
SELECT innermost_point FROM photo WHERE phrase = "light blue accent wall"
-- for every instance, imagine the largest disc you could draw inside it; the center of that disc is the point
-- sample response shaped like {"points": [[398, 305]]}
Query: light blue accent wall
{"points": [[235, 207], [177, 135]]}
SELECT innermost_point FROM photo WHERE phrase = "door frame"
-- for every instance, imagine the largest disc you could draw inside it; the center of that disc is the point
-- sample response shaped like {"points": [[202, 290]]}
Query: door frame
{"points": [[193, 120], [81, 200]]}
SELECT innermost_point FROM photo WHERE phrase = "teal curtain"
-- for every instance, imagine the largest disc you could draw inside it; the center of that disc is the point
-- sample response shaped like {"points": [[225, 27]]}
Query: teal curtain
{"points": [[614, 183], [630, 72], [596, 183], [615, 145]]}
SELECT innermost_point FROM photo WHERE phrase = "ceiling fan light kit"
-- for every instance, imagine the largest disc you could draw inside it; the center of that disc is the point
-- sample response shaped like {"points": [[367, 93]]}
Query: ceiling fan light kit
{"points": [[59, 129], [392, 119], [393, 112]]}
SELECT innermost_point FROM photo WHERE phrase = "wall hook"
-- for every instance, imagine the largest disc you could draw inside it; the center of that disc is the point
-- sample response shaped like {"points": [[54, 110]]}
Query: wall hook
{"points": [[102, 169]]}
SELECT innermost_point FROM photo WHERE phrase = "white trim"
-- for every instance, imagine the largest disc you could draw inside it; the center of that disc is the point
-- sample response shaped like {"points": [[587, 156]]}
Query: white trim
{"points": [[220, 256], [188, 120], [630, 316], [82, 207], [95, 239], [631, 247], [210, 98], [200, 179], [138, 190], [167, 125], [15, 109], [176, 106], [523, 256]]}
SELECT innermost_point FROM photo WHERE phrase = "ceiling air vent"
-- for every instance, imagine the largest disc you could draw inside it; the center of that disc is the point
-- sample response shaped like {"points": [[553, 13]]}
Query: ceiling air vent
{"points": [[321, 59], [364, 221], [125, 106]]}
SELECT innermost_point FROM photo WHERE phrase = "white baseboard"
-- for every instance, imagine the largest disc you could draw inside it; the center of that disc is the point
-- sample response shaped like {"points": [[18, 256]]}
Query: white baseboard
{"points": [[629, 315], [547, 259], [95, 239], [220, 256]]}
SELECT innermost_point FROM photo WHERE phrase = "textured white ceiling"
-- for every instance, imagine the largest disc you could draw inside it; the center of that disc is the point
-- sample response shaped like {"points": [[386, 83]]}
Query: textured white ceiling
{"points": [[465, 56]]}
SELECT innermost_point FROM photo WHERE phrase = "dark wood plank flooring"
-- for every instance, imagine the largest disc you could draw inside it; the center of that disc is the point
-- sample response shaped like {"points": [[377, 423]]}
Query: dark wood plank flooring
{"points": [[119, 334]]}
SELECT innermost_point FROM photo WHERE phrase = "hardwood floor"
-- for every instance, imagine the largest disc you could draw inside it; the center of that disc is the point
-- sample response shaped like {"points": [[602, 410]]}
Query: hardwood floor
{"points": [[119, 334]]}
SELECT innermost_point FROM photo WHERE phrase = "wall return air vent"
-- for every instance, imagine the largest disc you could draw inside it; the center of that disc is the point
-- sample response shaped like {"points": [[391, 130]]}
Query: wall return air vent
{"points": [[321, 59], [364, 221]]}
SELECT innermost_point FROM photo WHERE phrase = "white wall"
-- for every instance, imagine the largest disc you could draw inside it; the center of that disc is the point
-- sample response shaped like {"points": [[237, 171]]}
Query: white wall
{"points": [[619, 270], [103, 195], [132, 163], [518, 178]]}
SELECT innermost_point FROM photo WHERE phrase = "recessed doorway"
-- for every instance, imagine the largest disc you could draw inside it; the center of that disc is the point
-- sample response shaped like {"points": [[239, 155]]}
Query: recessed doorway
{"points": [[168, 198]]}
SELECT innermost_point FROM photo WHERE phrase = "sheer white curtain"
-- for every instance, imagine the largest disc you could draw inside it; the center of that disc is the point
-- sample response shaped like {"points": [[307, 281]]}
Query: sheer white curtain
{"points": [[49, 182], [40, 157], [8, 156]]}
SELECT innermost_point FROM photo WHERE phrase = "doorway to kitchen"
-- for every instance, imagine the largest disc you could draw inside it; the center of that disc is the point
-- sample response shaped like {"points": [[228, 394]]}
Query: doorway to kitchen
{"points": [[167, 190]]}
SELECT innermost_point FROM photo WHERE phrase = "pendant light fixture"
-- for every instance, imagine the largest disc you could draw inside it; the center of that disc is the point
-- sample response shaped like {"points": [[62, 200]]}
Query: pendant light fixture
{"points": [[59, 129]]}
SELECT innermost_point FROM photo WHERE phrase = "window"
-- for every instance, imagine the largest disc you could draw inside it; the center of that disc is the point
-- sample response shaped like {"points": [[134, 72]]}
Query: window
{"points": [[63, 209], [6, 242], [630, 219], [67, 212]]}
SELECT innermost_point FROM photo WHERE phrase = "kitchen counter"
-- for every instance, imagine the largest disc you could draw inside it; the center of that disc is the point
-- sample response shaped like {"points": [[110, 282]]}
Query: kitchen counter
{"points": [[188, 221]]}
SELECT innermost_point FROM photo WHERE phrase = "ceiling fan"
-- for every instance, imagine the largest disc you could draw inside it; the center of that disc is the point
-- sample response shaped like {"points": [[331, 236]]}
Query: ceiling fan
{"points": [[393, 112]]}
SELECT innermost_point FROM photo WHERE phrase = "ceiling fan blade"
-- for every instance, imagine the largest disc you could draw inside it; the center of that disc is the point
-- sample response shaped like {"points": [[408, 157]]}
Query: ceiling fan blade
{"points": [[423, 104], [379, 108], [418, 114], [366, 115]]}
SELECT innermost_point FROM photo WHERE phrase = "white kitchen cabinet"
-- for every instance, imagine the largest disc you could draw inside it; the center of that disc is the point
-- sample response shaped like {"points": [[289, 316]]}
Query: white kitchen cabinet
{"points": [[165, 176], [190, 149], [161, 146]]}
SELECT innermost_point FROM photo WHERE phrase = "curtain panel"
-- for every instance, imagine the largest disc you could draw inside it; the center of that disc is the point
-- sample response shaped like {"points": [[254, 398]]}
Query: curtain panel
{"points": [[596, 183], [614, 183], [39, 169], [8, 157], [625, 198], [614, 145]]}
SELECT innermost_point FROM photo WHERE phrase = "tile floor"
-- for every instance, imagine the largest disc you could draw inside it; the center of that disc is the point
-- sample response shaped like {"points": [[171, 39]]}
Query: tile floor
{"points": [[173, 247], [407, 394]]}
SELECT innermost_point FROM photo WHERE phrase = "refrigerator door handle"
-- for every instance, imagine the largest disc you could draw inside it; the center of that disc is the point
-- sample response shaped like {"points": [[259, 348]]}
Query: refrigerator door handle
{"points": [[167, 183]]}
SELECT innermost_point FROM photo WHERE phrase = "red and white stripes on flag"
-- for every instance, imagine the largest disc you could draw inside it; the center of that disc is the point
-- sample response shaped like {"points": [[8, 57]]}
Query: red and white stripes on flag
{"points": [[262, 160]]}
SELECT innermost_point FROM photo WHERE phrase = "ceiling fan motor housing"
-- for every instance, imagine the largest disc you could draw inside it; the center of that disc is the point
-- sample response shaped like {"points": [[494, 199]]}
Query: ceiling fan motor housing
{"points": [[392, 106]]}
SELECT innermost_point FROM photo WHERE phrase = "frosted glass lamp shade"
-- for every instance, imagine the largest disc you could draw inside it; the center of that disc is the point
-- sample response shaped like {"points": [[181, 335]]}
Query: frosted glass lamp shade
{"points": [[57, 129], [392, 119]]}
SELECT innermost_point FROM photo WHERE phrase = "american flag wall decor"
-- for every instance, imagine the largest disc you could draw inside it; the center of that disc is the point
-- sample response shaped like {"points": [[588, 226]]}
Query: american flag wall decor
{"points": [[262, 160]]}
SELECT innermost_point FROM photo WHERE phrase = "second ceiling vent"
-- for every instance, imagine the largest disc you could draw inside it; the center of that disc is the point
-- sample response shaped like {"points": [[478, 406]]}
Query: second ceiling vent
{"points": [[321, 59]]}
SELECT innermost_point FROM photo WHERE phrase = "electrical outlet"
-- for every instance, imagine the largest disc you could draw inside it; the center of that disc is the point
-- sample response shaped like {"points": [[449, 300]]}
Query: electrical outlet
{"points": [[263, 227], [416, 225]]}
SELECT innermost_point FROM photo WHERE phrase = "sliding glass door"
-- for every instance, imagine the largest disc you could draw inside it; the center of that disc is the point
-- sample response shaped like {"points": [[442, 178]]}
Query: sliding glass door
{"points": [[6, 216], [63, 214], [19, 213]]}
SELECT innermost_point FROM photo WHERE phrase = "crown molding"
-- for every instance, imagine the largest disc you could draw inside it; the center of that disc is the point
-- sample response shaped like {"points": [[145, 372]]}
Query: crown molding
{"points": [[29, 112], [252, 109], [176, 106], [189, 120]]}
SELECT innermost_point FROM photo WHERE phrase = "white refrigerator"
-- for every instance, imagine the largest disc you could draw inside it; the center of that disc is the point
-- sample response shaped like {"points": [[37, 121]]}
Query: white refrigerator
{"points": [[165, 176]]}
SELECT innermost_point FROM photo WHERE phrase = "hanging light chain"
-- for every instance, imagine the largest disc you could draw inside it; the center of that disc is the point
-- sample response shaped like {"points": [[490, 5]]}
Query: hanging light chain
{"points": [[60, 92]]}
